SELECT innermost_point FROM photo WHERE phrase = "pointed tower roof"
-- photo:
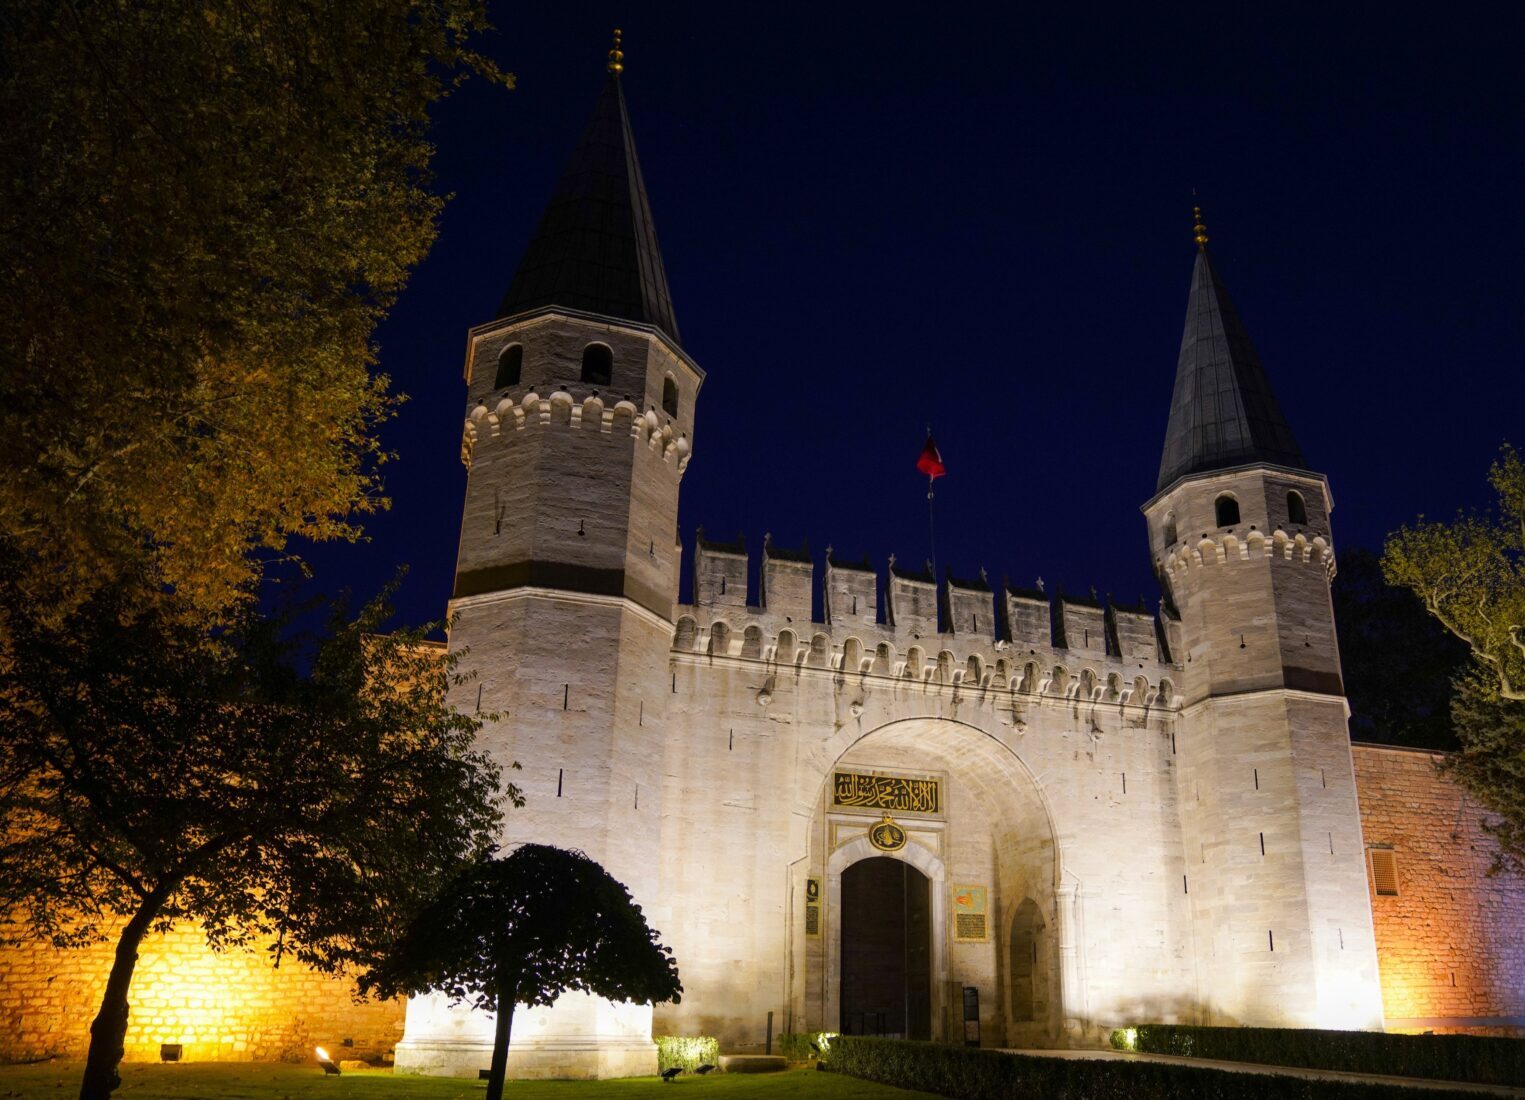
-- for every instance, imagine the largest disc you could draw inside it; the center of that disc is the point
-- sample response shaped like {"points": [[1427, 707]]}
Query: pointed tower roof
{"points": [[1224, 412], [596, 247]]}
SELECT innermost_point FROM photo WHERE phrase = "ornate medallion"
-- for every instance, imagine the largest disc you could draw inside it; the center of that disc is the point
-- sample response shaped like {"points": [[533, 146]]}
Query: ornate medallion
{"points": [[887, 836]]}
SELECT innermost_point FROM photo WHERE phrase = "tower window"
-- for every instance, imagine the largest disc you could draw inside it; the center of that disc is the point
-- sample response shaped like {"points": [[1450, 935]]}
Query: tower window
{"points": [[510, 367], [669, 397], [1171, 535], [1297, 511], [1384, 872], [1228, 511], [597, 364]]}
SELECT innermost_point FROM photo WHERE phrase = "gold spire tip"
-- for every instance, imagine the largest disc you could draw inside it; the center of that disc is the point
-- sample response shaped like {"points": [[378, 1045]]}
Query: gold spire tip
{"points": [[1199, 230], [616, 55]]}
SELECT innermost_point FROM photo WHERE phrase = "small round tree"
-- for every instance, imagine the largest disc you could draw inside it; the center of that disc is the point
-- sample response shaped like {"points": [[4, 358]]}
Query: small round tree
{"points": [[523, 929]]}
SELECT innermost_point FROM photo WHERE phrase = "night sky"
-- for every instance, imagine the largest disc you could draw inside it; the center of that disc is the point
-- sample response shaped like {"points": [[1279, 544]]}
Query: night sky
{"points": [[875, 222]]}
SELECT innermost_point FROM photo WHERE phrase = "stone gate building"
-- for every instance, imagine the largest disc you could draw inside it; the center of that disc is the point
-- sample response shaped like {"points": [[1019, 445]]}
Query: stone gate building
{"points": [[1062, 815]]}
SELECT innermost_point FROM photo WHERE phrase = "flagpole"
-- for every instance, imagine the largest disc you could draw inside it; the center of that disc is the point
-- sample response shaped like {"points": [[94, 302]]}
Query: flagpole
{"points": [[931, 520]]}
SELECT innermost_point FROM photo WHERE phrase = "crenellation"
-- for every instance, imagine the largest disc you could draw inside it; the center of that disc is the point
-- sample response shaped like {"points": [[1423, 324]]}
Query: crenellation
{"points": [[787, 578], [1084, 625], [850, 591], [1136, 633], [912, 601], [969, 606], [720, 572]]}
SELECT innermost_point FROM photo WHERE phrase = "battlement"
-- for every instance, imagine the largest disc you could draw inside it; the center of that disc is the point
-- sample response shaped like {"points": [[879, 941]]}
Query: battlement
{"points": [[616, 419], [1228, 548], [907, 609], [948, 662]]}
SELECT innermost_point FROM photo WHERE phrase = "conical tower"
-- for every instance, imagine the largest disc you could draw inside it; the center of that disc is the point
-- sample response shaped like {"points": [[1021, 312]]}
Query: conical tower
{"points": [[579, 424], [1239, 531]]}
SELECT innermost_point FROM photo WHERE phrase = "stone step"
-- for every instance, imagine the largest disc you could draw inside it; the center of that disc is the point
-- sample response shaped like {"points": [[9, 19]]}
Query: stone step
{"points": [[752, 1063]]}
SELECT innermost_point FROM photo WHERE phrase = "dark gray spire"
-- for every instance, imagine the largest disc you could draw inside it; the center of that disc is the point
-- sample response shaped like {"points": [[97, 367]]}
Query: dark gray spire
{"points": [[1223, 413], [596, 248]]}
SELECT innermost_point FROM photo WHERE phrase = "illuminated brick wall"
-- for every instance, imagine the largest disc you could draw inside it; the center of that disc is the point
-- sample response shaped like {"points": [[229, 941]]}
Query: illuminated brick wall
{"points": [[1450, 943], [226, 1007]]}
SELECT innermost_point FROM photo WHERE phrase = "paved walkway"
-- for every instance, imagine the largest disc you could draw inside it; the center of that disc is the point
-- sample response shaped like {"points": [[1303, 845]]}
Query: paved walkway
{"points": [[1416, 1083]]}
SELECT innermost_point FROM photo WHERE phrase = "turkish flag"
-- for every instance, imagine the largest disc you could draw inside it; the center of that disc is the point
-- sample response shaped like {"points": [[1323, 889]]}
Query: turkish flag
{"points": [[930, 462]]}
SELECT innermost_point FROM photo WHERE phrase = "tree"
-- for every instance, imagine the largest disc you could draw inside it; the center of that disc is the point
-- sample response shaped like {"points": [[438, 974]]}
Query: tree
{"points": [[315, 798], [524, 929], [1470, 573], [208, 206], [1491, 763], [1398, 662]]}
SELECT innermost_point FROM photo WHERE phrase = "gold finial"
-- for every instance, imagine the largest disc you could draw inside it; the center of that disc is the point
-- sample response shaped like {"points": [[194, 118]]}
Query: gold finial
{"points": [[616, 55], [1199, 229]]}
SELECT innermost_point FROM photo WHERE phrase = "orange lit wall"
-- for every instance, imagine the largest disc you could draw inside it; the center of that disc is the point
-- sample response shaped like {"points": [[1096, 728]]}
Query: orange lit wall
{"points": [[228, 1007], [1451, 944]]}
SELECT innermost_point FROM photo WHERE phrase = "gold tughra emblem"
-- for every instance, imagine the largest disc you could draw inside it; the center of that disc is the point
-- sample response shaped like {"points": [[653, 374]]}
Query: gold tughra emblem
{"points": [[887, 836]]}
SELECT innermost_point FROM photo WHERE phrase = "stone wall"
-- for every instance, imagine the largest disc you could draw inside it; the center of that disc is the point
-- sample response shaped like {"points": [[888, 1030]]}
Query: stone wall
{"points": [[1449, 943], [231, 1006]]}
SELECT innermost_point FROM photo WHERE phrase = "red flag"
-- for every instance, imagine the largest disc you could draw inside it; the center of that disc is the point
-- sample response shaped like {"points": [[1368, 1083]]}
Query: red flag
{"points": [[930, 462]]}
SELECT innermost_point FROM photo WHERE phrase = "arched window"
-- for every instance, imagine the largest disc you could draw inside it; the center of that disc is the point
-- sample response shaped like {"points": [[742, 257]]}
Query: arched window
{"points": [[597, 364], [510, 367], [1171, 535], [1228, 511], [669, 397], [1297, 511]]}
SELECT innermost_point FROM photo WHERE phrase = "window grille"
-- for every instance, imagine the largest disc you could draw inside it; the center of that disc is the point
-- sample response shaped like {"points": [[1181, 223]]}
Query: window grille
{"points": [[1384, 872]]}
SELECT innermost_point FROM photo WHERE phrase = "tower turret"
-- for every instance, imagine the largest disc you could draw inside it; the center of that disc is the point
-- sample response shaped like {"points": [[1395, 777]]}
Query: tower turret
{"points": [[579, 424], [1239, 531]]}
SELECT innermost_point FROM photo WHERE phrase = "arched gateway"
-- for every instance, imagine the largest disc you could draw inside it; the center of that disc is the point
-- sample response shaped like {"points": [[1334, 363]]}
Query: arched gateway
{"points": [[932, 854]]}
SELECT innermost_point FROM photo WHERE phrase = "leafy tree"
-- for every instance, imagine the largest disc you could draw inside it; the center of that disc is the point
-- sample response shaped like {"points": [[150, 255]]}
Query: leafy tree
{"points": [[313, 798], [1491, 763], [207, 207], [524, 929], [1397, 660], [1470, 573]]}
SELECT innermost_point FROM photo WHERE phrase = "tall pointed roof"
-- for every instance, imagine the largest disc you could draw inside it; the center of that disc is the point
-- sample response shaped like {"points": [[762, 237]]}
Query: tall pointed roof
{"points": [[1223, 412], [596, 247]]}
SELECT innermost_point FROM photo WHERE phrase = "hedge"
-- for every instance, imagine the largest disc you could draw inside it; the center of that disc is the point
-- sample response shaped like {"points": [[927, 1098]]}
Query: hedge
{"points": [[688, 1051], [795, 1045], [970, 1074], [1470, 1058]]}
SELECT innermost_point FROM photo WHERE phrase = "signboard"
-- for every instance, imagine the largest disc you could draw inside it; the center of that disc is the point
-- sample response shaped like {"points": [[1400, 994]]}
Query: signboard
{"points": [[970, 914], [812, 907]]}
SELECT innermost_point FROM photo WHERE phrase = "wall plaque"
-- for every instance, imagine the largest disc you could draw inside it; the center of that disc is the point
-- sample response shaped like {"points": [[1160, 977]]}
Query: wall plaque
{"points": [[970, 921], [902, 794], [812, 907]]}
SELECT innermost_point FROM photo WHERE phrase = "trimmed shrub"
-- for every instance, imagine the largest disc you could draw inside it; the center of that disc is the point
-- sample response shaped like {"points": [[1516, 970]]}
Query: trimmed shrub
{"points": [[795, 1045], [1471, 1058], [969, 1074], [687, 1051]]}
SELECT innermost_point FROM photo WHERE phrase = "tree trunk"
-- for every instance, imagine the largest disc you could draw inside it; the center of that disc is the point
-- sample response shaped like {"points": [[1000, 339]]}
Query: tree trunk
{"points": [[108, 1033], [503, 1025]]}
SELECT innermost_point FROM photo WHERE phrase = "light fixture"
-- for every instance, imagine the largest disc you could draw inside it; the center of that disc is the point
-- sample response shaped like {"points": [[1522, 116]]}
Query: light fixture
{"points": [[329, 1069], [170, 1052]]}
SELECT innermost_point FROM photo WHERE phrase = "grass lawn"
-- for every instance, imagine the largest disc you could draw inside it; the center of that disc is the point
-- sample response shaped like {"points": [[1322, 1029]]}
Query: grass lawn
{"points": [[273, 1081]]}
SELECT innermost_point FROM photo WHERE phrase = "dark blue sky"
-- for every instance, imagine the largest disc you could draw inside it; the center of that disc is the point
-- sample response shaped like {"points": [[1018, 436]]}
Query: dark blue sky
{"points": [[981, 220]]}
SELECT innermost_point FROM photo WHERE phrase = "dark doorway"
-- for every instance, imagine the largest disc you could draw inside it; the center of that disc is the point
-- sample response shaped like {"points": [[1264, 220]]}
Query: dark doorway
{"points": [[886, 950]]}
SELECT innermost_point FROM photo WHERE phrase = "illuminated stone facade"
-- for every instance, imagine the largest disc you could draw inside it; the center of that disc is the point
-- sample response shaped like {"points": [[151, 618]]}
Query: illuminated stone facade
{"points": [[231, 1006], [1449, 939]]}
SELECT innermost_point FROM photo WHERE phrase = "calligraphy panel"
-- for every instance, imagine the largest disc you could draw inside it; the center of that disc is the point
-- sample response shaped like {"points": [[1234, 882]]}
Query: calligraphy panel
{"points": [[899, 793]]}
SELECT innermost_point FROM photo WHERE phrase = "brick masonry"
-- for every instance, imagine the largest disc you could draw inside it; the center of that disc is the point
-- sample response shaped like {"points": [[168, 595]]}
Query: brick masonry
{"points": [[230, 1006], [1449, 943]]}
